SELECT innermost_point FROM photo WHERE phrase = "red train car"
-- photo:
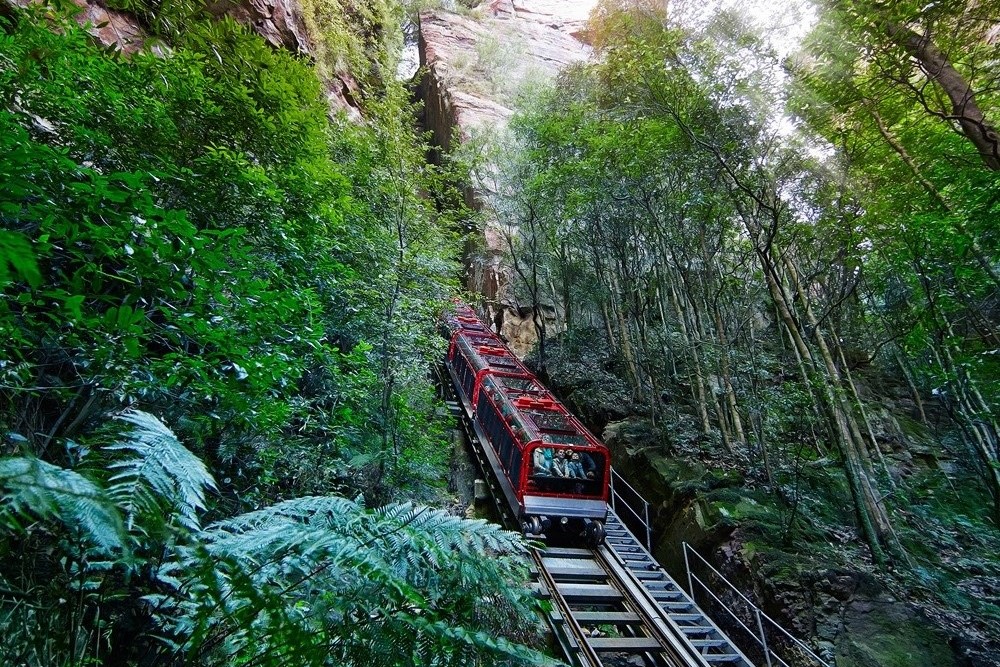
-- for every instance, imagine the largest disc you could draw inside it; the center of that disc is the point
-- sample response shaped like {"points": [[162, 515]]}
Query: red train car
{"points": [[554, 473]]}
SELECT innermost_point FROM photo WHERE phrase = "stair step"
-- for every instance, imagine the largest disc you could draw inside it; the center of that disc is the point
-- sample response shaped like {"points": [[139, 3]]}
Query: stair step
{"points": [[624, 644], [648, 575], [666, 596]]}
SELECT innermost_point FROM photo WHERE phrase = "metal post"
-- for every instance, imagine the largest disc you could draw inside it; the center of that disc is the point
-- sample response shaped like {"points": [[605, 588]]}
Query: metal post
{"points": [[612, 491], [687, 568], [763, 638], [649, 534]]}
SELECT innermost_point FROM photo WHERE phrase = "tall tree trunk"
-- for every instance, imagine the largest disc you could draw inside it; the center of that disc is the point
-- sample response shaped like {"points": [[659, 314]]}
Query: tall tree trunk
{"points": [[873, 520], [964, 107], [701, 399]]}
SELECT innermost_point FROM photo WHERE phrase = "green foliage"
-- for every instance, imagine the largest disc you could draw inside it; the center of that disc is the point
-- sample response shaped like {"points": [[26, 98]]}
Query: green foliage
{"points": [[321, 580], [191, 234], [160, 467], [587, 377], [202, 251], [34, 489], [347, 585], [17, 260], [774, 300]]}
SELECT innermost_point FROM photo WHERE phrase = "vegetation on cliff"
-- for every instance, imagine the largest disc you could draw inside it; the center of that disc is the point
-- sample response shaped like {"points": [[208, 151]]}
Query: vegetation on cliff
{"points": [[190, 234]]}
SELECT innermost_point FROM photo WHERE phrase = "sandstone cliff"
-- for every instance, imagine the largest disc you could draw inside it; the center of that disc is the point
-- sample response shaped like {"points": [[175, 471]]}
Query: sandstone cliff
{"points": [[474, 64], [280, 22]]}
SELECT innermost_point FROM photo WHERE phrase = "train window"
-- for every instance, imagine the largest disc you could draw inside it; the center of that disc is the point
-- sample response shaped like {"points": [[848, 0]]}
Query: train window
{"points": [[552, 421], [523, 432], [566, 470], [502, 363], [564, 438], [499, 427]]}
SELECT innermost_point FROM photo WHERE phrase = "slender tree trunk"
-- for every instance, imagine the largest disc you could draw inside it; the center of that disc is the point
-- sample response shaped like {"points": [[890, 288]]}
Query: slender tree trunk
{"points": [[701, 400], [964, 107], [873, 520]]}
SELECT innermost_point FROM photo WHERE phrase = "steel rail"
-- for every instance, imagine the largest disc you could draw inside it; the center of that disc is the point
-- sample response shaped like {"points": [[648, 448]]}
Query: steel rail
{"points": [[650, 633], [589, 656], [675, 645]]}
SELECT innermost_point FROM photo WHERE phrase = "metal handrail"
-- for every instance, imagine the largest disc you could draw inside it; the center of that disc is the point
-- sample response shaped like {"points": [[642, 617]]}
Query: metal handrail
{"points": [[758, 613], [644, 517]]}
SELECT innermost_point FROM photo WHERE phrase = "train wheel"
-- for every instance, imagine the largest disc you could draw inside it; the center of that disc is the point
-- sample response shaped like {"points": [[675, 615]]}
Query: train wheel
{"points": [[533, 526], [595, 534]]}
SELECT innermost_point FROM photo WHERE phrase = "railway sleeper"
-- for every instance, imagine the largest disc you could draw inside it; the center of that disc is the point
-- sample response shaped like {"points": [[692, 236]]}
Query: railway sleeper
{"points": [[616, 618], [625, 645], [599, 593]]}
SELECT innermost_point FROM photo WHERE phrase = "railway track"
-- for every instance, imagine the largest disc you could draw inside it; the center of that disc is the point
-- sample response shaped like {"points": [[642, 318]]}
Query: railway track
{"points": [[615, 605]]}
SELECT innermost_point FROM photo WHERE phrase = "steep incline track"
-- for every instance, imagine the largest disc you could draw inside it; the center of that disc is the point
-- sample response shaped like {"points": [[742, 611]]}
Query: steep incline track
{"points": [[615, 602]]}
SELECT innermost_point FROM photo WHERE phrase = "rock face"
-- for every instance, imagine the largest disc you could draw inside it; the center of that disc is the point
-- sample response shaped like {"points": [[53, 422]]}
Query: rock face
{"points": [[475, 62], [279, 22], [474, 65], [108, 26]]}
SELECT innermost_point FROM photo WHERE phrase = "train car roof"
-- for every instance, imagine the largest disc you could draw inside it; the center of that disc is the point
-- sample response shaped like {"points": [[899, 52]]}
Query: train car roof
{"points": [[552, 420]]}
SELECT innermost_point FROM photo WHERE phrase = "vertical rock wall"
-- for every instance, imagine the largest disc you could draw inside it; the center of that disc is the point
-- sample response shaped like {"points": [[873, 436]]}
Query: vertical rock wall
{"points": [[473, 64], [279, 22]]}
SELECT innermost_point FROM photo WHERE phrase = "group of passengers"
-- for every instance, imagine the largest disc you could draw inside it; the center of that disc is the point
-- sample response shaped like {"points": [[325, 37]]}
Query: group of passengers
{"points": [[550, 462]]}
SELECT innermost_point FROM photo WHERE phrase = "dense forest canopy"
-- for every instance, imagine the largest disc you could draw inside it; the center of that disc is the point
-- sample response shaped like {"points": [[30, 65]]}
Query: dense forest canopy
{"points": [[188, 232]]}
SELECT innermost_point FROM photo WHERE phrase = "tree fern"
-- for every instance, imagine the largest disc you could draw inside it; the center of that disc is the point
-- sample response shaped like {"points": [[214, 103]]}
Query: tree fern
{"points": [[33, 489], [320, 580], [162, 469]]}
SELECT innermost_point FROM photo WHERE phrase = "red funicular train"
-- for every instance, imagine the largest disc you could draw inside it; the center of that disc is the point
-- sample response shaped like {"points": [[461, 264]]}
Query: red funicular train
{"points": [[554, 473]]}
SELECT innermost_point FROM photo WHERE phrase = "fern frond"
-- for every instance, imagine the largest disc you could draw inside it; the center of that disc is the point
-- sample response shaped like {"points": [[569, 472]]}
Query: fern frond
{"points": [[447, 633], [324, 576], [33, 488], [161, 469]]}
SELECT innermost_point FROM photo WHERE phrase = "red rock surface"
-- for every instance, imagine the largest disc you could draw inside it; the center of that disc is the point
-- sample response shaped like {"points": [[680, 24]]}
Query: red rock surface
{"points": [[503, 42], [279, 22]]}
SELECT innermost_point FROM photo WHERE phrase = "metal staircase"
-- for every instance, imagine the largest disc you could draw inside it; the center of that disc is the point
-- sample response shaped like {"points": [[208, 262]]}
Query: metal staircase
{"points": [[705, 638]]}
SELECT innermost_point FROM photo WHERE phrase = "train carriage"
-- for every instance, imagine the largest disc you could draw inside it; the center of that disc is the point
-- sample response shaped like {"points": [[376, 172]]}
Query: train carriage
{"points": [[553, 472]]}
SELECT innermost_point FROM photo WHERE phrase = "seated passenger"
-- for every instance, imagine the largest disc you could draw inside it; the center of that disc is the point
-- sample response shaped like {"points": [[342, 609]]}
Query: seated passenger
{"points": [[575, 467], [518, 432], [589, 467], [542, 461], [560, 466]]}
